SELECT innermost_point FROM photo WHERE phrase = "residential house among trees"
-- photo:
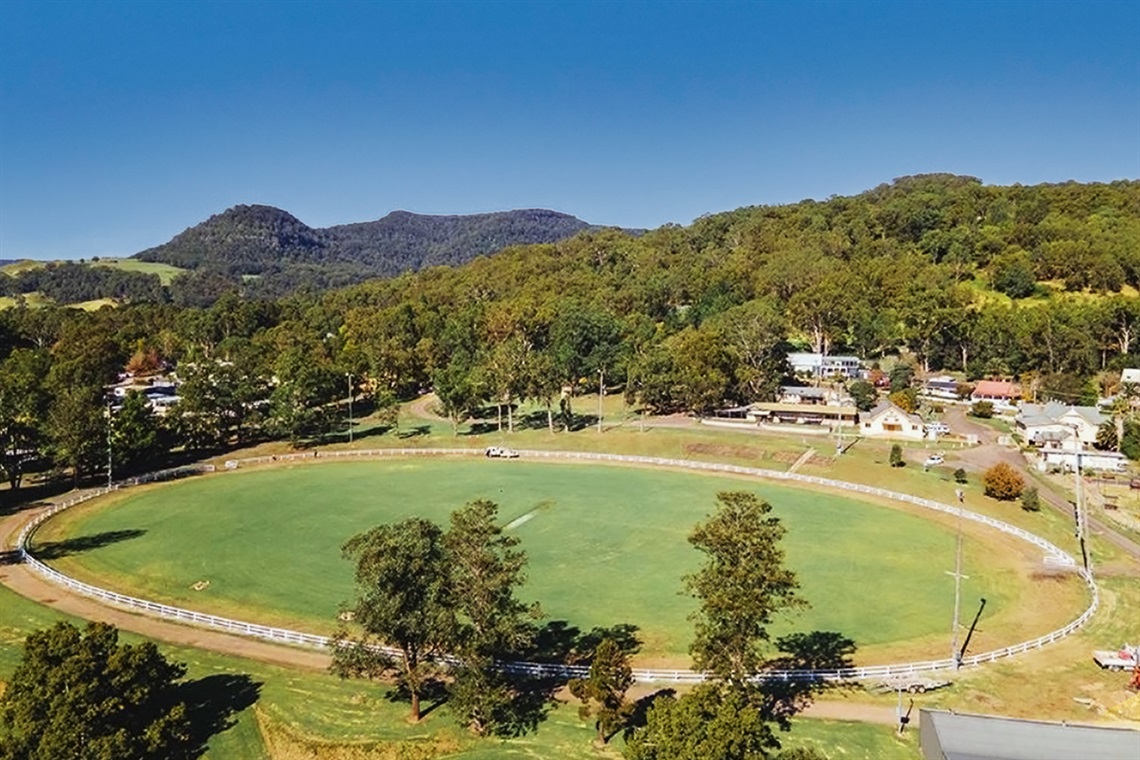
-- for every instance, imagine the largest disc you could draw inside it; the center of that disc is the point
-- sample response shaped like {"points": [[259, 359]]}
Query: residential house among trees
{"points": [[822, 365], [1060, 431], [1003, 394], [1054, 422]]}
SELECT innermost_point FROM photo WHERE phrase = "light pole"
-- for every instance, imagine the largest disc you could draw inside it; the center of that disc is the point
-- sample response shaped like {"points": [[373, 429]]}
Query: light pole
{"points": [[1080, 513], [601, 395], [110, 458], [349, 408], [957, 582]]}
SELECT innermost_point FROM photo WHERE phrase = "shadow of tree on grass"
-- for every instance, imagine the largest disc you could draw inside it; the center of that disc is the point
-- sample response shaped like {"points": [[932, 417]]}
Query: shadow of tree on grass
{"points": [[56, 549], [212, 704]]}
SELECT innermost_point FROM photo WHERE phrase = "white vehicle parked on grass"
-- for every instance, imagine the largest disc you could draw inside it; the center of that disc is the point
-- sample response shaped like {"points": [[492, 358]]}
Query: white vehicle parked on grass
{"points": [[933, 459], [498, 452]]}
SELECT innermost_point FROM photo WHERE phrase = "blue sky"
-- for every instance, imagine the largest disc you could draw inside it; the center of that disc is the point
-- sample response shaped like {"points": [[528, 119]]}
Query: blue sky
{"points": [[121, 124]]}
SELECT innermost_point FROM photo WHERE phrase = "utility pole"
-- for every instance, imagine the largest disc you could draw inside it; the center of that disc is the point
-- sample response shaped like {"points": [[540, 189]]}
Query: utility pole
{"points": [[350, 407]]}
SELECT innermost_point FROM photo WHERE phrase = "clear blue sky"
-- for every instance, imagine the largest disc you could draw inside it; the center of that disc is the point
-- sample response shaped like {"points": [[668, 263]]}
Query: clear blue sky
{"points": [[121, 124]]}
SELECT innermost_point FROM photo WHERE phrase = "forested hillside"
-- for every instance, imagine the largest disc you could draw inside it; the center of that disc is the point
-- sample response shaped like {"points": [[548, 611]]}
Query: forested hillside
{"points": [[938, 272], [273, 253]]}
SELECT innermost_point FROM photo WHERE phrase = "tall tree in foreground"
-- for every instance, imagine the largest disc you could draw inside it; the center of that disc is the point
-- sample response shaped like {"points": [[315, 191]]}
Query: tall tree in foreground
{"points": [[486, 570], [81, 694], [602, 691], [403, 601], [741, 587]]}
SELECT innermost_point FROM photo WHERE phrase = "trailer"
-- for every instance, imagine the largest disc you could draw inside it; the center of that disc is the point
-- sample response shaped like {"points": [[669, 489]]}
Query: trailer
{"points": [[1125, 658], [913, 684]]}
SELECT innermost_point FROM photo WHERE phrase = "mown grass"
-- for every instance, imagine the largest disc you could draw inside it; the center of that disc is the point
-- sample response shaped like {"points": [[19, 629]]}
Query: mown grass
{"points": [[608, 545], [316, 716]]}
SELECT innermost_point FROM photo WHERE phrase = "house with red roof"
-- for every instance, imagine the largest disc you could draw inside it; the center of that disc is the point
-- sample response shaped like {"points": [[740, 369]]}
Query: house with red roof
{"points": [[1001, 393]]}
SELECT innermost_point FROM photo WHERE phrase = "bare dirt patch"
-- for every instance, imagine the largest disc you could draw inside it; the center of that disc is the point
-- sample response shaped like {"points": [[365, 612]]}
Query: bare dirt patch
{"points": [[726, 450]]}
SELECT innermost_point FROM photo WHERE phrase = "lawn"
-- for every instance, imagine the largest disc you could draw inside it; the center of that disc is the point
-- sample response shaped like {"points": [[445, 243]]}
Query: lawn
{"points": [[607, 545], [320, 717]]}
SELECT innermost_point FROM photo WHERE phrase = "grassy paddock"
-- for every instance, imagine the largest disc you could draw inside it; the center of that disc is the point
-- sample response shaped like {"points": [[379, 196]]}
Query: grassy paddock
{"points": [[607, 545], [315, 716]]}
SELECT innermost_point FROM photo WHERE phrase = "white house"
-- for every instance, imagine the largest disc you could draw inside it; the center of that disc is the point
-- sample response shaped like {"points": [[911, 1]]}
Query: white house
{"points": [[822, 365], [1066, 459], [795, 394], [891, 421], [1054, 424], [941, 386]]}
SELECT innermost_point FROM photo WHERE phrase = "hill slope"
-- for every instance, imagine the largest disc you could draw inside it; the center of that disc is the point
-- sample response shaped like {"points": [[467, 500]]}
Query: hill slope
{"points": [[260, 240]]}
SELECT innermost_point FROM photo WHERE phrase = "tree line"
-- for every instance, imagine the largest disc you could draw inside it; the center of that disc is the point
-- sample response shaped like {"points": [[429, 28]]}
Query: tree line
{"points": [[679, 319]]}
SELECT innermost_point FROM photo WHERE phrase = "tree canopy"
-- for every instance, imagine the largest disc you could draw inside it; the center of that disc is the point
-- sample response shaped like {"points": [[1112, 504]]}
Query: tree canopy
{"points": [[82, 694]]}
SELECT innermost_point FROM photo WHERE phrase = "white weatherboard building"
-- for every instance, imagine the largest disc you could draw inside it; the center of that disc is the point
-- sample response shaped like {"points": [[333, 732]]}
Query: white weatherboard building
{"points": [[1059, 425], [1062, 433], [822, 365], [890, 421]]}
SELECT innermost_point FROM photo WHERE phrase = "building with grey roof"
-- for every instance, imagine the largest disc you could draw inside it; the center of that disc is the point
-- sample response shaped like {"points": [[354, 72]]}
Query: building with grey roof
{"points": [[954, 736]]}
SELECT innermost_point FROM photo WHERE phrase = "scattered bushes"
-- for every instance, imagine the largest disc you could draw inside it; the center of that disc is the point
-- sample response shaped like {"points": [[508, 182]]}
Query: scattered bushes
{"points": [[1002, 482], [959, 475], [1030, 501]]}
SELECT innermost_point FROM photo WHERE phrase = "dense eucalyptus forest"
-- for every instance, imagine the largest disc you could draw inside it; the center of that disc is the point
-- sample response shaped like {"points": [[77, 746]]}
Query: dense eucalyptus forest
{"points": [[1037, 283]]}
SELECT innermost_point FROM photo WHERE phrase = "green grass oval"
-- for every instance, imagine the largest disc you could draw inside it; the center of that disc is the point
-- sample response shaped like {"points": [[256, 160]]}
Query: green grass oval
{"points": [[607, 545]]}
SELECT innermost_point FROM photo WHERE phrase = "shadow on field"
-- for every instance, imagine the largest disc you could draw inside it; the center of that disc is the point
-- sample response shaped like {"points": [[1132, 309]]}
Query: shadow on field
{"points": [[813, 650], [79, 544], [212, 704], [559, 641]]}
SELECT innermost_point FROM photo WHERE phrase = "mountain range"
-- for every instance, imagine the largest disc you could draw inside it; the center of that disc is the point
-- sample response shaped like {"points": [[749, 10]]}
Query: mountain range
{"points": [[262, 240]]}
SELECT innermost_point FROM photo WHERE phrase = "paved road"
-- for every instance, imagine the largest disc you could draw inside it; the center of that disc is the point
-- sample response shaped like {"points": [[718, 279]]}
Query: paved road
{"points": [[981, 458]]}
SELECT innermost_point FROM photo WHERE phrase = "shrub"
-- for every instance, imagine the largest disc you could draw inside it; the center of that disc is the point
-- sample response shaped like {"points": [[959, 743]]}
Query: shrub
{"points": [[959, 475], [896, 456], [982, 409], [1002, 482], [906, 399], [1029, 500]]}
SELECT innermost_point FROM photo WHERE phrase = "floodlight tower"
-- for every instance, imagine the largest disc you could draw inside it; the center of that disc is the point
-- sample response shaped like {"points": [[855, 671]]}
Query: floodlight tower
{"points": [[349, 407], [1079, 514], [110, 458]]}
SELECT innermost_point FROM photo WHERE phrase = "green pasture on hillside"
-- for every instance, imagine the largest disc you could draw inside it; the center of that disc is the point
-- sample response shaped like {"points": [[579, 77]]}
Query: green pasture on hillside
{"points": [[607, 545], [165, 272]]}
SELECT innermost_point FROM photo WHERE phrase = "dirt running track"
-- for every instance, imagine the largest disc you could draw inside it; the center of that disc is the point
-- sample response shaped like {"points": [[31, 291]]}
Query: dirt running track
{"points": [[21, 579]]}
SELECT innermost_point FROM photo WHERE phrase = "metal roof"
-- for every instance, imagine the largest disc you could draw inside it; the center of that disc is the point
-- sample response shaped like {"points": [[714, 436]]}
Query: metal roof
{"points": [[953, 736]]}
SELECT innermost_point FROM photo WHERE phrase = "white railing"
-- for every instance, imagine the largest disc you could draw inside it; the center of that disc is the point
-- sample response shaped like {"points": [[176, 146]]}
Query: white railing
{"points": [[1053, 555]]}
